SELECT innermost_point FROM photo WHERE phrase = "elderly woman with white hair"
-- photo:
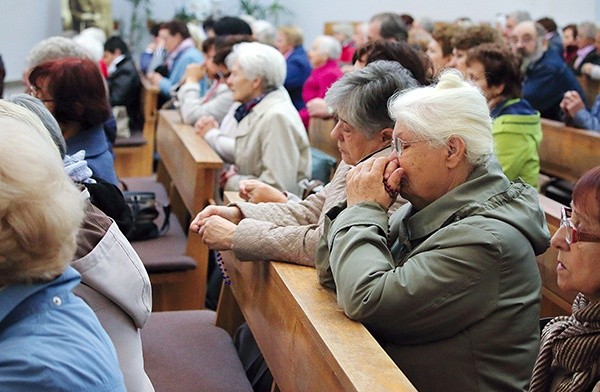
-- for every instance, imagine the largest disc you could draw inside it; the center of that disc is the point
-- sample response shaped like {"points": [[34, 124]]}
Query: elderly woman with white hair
{"points": [[49, 338], [323, 56], [450, 282], [262, 136]]}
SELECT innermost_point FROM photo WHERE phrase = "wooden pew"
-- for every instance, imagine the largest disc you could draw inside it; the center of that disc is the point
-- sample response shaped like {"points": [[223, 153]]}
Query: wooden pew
{"points": [[319, 136], [307, 340], [555, 301], [134, 155], [188, 168], [567, 152]]}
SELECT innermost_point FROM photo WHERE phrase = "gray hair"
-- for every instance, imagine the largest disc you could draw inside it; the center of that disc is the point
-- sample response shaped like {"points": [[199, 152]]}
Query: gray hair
{"points": [[259, 61], [391, 26], [587, 30], [55, 48], [360, 97], [453, 107], [329, 46], [40, 110], [519, 16], [263, 31]]}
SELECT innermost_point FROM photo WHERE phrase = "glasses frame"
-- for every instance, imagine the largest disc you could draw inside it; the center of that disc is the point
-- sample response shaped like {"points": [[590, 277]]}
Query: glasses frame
{"points": [[35, 91], [573, 235], [398, 145]]}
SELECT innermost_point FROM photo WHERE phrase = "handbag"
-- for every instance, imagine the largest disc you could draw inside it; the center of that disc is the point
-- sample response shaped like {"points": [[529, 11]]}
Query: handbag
{"points": [[145, 211]]}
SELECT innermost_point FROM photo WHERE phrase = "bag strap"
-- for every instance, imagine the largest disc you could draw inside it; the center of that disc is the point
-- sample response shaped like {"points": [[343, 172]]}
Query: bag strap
{"points": [[166, 224]]}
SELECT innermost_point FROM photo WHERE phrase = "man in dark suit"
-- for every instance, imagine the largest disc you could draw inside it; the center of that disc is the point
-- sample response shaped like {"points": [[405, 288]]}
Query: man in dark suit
{"points": [[124, 83]]}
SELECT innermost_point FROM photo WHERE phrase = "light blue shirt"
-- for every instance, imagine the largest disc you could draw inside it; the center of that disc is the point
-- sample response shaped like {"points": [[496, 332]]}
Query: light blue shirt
{"points": [[50, 340]]}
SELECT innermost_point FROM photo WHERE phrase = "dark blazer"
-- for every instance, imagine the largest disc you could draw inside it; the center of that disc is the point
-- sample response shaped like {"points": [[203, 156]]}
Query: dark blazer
{"points": [[124, 87], [298, 70]]}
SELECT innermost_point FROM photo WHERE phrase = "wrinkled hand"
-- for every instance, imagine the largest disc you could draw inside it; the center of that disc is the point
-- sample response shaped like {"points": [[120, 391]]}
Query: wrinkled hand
{"points": [[155, 78], [232, 214], [317, 107], [256, 191], [365, 182], [217, 232], [205, 124], [194, 72], [571, 103]]}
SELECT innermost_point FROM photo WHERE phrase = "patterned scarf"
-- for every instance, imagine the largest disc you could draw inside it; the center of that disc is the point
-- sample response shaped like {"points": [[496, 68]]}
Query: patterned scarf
{"points": [[243, 110], [183, 46], [572, 344]]}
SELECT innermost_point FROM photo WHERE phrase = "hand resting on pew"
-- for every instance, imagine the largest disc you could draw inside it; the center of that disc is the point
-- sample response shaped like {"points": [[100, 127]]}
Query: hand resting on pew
{"points": [[205, 124], [572, 103], [255, 191], [216, 225]]}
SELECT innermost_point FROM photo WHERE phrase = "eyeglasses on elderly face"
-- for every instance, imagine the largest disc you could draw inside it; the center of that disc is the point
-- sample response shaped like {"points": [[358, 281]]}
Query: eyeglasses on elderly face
{"points": [[399, 145], [572, 234]]}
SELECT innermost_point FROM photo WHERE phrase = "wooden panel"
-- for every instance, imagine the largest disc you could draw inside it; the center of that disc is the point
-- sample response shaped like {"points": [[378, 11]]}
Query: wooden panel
{"points": [[136, 161], [307, 341], [567, 152], [591, 88], [555, 301], [188, 168], [319, 131]]}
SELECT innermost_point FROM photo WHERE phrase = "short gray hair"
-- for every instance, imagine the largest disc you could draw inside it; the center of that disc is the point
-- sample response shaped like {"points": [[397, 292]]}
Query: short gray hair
{"points": [[54, 48], [329, 46], [50, 123], [259, 61], [587, 30], [453, 107], [360, 97]]}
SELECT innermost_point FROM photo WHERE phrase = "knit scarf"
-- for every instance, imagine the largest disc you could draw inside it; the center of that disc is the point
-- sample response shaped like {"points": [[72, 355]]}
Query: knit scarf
{"points": [[183, 46], [572, 344]]}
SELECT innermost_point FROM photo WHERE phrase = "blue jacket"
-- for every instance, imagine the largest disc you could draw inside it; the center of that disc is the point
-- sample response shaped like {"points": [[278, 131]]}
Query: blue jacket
{"points": [[97, 152], [183, 59], [51, 340], [298, 70], [588, 119], [545, 83]]}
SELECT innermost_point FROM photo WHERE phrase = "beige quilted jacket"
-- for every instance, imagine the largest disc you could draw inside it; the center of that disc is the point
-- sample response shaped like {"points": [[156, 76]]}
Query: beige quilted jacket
{"points": [[290, 231]]}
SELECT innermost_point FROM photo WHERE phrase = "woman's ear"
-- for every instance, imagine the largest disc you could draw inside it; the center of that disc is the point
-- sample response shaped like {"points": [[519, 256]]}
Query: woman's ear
{"points": [[386, 135], [456, 151]]}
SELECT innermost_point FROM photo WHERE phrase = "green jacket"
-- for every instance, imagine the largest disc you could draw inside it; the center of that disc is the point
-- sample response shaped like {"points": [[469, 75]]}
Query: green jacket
{"points": [[454, 297], [517, 138]]}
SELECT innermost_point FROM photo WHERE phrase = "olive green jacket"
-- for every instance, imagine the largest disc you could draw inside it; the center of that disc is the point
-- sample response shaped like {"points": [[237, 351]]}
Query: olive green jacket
{"points": [[452, 292]]}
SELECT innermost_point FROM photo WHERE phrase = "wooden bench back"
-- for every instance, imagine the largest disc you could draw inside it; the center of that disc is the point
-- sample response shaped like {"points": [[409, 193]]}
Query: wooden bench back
{"points": [[567, 152], [137, 161], [591, 88], [555, 301], [319, 131], [307, 341], [188, 169]]}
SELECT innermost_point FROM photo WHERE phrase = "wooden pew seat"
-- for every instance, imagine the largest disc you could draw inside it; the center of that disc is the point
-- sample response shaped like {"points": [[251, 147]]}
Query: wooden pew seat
{"points": [[184, 351], [136, 139]]}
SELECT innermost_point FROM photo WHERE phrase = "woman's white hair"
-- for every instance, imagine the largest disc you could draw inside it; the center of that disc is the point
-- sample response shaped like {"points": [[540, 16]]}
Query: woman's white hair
{"points": [[329, 46], [40, 207], [451, 108], [259, 61]]}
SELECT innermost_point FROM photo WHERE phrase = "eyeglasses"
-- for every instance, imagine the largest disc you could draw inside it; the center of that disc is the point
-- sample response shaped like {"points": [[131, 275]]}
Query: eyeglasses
{"points": [[399, 145], [37, 93], [574, 235]]}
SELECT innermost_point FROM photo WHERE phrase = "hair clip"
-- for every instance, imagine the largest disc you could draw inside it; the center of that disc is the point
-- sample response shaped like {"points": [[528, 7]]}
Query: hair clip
{"points": [[221, 264]]}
